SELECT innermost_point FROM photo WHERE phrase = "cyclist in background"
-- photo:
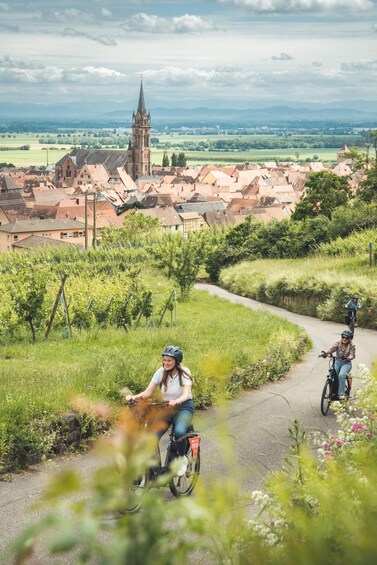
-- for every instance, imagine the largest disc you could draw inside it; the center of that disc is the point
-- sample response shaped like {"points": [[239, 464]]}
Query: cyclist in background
{"points": [[345, 352], [175, 383], [352, 306]]}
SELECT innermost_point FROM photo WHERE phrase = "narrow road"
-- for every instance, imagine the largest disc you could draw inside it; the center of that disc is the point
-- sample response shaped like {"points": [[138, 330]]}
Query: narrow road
{"points": [[255, 424]]}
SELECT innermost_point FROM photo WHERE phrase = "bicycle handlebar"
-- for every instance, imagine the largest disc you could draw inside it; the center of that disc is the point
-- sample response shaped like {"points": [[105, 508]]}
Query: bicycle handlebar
{"points": [[146, 402]]}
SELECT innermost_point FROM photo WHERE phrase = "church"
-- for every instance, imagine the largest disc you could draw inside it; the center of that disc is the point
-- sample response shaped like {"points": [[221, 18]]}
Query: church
{"points": [[136, 160]]}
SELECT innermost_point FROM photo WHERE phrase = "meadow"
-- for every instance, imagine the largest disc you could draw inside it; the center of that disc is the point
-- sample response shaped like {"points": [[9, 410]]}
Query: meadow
{"points": [[44, 154]]}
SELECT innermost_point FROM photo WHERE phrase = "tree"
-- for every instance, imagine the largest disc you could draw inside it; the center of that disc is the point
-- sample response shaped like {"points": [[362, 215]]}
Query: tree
{"points": [[181, 160], [28, 291], [174, 160], [368, 188], [181, 258], [165, 160], [135, 228], [325, 191]]}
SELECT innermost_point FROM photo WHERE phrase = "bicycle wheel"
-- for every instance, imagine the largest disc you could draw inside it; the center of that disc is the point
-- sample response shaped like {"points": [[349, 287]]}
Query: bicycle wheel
{"points": [[183, 486], [326, 398], [352, 324], [134, 495]]}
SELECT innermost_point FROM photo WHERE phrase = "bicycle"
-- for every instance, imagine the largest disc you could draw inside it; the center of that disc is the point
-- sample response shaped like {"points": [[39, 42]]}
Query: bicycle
{"points": [[178, 485], [351, 320], [330, 389]]}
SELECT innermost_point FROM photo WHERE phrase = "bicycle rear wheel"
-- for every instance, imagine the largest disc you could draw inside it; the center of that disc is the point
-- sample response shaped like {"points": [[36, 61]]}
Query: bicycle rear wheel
{"points": [[326, 398], [183, 486], [134, 495]]}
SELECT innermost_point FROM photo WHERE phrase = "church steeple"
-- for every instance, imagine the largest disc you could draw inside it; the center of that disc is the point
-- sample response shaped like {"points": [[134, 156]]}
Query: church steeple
{"points": [[139, 153], [141, 106]]}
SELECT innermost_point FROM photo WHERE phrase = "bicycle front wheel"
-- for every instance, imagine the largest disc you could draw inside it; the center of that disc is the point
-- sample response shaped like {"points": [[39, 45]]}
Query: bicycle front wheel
{"points": [[134, 495], [326, 398], [183, 486]]}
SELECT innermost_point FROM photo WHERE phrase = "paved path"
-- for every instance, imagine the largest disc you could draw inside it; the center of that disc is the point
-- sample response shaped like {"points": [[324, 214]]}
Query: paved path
{"points": [[255, 423]]}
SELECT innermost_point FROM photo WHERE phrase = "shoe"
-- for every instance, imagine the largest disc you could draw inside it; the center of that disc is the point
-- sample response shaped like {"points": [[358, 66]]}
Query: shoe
{"points": [[182, 465], [140, 482], [341, 398]]}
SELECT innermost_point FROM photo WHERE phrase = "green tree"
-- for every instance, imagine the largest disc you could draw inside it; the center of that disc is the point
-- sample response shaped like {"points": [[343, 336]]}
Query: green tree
{"points": [[136, 227], [368, 188], [165, 160], [28, 291], [325, 191], [181, 160], [181, 258], [174, 160]]}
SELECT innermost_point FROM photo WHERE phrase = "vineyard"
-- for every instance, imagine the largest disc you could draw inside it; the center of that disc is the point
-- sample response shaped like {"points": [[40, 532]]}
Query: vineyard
{"points": [[71, 291]]}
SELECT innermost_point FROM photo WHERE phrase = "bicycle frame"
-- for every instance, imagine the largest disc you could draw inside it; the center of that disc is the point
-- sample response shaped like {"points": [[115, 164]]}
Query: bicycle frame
{"points": [[330, 389], [152, 476]]}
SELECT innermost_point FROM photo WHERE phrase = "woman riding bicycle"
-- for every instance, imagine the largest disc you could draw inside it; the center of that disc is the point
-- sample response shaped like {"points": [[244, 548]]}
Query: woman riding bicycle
{"points": [[345, 352], [175, 382], [352, 307]]}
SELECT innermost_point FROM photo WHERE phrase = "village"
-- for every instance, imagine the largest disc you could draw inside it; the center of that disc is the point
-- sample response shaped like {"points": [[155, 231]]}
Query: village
{"points": [[72, 201]]}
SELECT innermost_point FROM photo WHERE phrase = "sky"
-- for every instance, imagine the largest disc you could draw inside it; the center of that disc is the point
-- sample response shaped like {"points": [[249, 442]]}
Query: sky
{"points": [[220, 53]]}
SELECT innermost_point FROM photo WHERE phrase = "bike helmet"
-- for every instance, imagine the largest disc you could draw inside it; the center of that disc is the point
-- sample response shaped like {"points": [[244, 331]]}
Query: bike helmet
{"points": [[173, 351], [355, 296], [347, 333]]}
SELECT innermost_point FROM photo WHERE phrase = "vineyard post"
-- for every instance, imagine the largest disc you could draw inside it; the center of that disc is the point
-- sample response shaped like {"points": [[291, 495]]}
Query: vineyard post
{"points": [[370, 254], [54, 310], [66, 313], [147, 296], [94, 221], [86, 221]]}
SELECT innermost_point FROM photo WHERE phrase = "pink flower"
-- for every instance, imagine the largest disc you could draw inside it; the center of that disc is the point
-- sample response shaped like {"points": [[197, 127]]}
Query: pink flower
{"points": [[359, 427], [339, 442]]}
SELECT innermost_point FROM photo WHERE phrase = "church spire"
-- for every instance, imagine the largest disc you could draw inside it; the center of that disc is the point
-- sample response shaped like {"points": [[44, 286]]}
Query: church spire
{"points": [[141, 106]]}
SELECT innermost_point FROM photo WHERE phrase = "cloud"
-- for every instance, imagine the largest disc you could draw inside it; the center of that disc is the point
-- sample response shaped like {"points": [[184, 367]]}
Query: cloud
{"points": [[104, 39], [299, 6], [68, 15], [150, 23], [359, 66], [9, 27], [316, 64], [282, 57]]}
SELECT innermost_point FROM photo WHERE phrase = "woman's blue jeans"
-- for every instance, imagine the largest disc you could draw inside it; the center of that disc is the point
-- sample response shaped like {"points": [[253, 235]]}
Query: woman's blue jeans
{"points": [[342, 368], [182, 420]]}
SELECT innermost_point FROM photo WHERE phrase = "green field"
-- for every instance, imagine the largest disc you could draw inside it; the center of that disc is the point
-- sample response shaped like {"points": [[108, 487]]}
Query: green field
{"points": [[40, 154]]}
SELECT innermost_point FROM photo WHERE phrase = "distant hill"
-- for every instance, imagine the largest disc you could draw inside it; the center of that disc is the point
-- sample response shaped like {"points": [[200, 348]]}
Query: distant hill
{"points": [[259, 113]]}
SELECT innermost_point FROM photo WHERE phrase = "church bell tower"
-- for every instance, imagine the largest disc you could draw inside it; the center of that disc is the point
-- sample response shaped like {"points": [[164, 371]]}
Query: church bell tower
{"points": [[139, 150]]}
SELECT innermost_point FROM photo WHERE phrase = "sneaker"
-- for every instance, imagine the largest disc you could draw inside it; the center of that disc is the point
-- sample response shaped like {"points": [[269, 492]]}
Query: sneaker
{"points": [[182, 465], [140, 482], [341, 398]]}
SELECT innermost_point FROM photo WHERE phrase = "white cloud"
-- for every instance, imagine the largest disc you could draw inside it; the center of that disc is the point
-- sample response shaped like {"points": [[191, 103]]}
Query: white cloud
{"points": [[106, 13], [282, 57], [316, 64], [69, 15], [104, 39], [150, 23], [298, 6]]}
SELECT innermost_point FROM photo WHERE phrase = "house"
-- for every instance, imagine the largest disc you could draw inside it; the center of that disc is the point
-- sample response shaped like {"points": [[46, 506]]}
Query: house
{"points": [[61, 230], [37, 242], [69, 166], [192, 221], [219, 218]]}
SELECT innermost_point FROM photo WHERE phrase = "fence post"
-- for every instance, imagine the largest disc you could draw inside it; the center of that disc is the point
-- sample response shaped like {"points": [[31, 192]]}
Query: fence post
{"points": [[370, 254], [60, 292]]}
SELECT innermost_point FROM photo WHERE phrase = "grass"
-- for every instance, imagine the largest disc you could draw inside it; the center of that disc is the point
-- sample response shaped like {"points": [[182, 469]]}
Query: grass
{"points": [[51, 373], [48, 154]]}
